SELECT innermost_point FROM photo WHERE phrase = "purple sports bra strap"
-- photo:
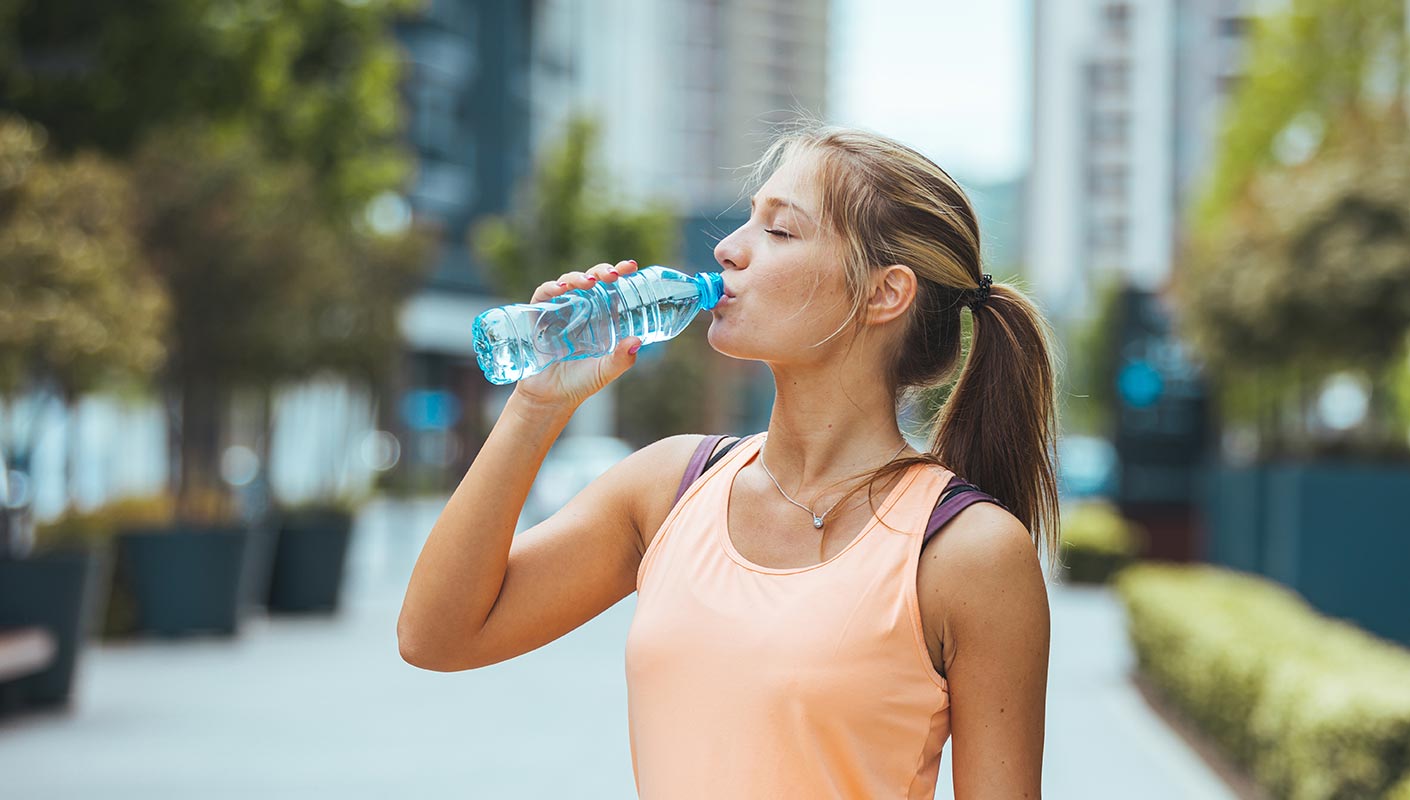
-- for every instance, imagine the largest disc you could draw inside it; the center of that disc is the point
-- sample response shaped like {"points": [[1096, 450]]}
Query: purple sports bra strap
{"points": [[961, 494], [697, 462]]}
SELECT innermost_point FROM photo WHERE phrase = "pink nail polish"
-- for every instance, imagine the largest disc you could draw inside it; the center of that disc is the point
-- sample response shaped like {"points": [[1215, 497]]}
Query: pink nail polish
{"points": [[592, 277], [634, 348], [614, 272], [561, 283]]}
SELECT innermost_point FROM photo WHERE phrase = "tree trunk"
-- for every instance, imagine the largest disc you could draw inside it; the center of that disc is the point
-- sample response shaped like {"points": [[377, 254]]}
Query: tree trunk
{"points": [[200, 495]]}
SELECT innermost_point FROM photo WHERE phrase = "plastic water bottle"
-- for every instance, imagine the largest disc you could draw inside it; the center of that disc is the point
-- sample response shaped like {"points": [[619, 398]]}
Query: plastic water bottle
{"points": [[654, 304]]}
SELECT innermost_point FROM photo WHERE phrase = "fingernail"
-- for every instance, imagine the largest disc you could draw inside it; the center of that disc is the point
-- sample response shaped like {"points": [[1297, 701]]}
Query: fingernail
{"points": [[592, 277], [561, 283], [634, 348], [614, 272], [633, 263]]}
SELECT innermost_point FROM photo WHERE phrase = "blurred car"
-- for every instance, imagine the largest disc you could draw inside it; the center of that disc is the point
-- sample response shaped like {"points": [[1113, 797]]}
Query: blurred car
{"points": [[571, 464]]}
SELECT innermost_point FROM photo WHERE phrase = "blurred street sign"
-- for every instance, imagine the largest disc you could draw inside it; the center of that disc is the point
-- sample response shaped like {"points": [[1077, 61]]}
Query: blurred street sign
{"points": [[1162, 425]]}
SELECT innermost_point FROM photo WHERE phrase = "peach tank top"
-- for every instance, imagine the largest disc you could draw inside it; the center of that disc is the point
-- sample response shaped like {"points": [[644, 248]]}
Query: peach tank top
{"points": [[745, 681]]}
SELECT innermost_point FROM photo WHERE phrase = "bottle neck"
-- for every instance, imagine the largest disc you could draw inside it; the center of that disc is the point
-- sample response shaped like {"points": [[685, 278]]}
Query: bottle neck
{"points": [[712, 288]]}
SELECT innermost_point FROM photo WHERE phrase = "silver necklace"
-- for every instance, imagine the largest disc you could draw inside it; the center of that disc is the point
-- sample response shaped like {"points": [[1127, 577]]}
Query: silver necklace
{"points": [[817, 520]]}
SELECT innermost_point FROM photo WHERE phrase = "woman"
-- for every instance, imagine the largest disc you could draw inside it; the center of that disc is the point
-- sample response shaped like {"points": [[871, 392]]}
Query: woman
{"points": [[793, 637]]}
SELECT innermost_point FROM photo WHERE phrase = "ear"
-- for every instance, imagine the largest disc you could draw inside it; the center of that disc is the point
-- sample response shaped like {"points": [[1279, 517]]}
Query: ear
{"points": [[893, 291]]}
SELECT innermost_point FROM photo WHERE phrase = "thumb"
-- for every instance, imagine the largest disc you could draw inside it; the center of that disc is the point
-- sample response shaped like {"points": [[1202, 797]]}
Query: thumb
{"points": [[625, 355]]}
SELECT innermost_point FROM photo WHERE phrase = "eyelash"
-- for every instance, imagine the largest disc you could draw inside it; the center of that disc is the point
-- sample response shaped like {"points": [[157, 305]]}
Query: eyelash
{"points": [[778, 233]]}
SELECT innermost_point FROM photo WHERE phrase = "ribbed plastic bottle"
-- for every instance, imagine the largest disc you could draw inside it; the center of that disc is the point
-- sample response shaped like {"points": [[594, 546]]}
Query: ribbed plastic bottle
{"points": [[654, 303]]}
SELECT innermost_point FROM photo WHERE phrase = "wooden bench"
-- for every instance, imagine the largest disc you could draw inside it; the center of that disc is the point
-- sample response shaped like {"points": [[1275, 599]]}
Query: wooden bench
{"points": [[25, 651]]}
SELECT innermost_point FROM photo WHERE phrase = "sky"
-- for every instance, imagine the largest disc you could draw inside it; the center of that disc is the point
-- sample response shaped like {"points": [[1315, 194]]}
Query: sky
{"points": [[947, 77]]}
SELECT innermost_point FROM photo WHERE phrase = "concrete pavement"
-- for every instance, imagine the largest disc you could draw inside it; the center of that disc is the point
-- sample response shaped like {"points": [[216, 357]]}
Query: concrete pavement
{"points": [[314, 708]]}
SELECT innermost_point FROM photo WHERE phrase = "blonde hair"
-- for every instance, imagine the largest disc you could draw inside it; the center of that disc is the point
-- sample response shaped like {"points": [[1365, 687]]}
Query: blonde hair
{"points": [[888, 204]]}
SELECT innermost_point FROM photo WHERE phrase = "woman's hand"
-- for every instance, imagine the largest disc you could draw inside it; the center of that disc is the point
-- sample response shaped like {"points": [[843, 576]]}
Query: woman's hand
{"points": [[566, 384]]}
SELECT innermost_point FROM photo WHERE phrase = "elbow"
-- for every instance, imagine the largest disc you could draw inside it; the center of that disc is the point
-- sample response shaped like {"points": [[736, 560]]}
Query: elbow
{"points": [[419, 653]]}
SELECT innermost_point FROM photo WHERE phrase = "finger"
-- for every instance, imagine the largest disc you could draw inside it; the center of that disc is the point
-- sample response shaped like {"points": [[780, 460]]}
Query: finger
{"points": [[577, 280], [548, 289], [625, 268]]}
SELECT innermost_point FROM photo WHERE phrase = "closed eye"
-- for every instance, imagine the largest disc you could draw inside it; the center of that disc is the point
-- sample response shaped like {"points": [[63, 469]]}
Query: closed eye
{"points": [[779, 233]]}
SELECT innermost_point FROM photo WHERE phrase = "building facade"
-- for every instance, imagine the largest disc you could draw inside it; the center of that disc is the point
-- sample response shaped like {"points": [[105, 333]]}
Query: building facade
{"points": [[1127, 97]]}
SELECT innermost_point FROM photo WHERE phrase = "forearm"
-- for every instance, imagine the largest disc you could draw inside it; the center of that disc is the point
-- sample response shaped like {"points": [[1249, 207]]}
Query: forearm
{"points": [[460, 570]]}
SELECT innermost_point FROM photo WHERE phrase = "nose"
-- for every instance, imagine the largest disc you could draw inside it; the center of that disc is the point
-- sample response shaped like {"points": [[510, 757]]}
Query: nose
{"points": [[728, 252]]}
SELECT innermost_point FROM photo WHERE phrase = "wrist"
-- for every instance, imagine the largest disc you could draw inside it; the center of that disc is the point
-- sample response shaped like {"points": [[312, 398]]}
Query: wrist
{"points": [[535, 409]]}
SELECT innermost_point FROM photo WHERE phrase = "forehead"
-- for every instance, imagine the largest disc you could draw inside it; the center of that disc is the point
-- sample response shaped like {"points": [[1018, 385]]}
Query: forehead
{"points": [[794, 178], [792, 184]]}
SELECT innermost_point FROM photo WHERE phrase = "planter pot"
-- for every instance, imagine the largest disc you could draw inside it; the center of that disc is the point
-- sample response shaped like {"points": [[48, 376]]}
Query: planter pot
{"points": [[56, 591], [183, 580], [309, 561], [1338, 532]]}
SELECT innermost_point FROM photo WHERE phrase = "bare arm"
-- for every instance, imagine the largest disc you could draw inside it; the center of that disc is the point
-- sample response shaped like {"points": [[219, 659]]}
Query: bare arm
{"points": [[462, 566], [460, 576], [994, 603]]}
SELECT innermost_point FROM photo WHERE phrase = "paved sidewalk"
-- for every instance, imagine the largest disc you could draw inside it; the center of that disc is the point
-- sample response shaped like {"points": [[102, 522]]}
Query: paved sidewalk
{"points": [[314, 708]]}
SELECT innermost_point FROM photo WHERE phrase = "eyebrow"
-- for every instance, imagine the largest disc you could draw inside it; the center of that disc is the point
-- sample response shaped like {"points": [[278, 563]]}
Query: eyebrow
{"points": [[778, 201]]}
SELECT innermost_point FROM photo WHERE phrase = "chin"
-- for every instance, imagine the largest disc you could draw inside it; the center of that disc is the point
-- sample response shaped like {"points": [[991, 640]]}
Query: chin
{"points": [[726, 340]]}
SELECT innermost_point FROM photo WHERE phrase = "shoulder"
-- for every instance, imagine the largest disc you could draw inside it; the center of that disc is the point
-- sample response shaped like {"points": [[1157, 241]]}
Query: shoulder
{"points": [[982, 570], [657, 470]]}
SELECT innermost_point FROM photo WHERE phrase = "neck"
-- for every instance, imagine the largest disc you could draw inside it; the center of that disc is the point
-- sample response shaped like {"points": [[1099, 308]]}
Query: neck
{"points": [[818, 437]]}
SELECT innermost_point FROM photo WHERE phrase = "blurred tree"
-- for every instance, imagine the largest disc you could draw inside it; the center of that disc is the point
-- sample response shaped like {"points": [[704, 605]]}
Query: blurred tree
{"points": [[1311, 66], [264, 289], [1090, 379], [306, 94], [1298, 262], [78, 310], [315, 80], [560, 224]]}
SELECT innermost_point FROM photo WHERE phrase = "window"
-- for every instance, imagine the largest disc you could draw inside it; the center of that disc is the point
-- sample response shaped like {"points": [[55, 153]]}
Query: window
{"points": [[1108, 181], [435, 112], [1109, 234], [1109, 128], [1108, 76], [1116, 19], [1232, 27]]}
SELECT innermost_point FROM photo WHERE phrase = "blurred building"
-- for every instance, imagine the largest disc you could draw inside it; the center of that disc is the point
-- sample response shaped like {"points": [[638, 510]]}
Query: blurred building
{"points": [[684, 92], [466, 93], [684, 89], [1126, 105]]}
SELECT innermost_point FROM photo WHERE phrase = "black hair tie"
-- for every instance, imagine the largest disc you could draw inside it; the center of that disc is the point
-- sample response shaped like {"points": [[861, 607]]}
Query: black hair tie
{"points": [[978, 296]]}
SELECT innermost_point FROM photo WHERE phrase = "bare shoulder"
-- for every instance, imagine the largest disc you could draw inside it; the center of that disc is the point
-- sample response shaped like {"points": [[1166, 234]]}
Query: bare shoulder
{"points": [[658, 469], [981, 570]]}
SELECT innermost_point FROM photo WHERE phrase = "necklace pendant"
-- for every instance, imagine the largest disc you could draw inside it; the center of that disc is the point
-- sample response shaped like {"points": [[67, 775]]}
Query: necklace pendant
{"points": [[817, 521]]}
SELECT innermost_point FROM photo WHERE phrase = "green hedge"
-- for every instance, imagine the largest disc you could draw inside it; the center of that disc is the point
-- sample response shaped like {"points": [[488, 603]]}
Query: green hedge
{"points": [[1097, 541], [1314, 708]]}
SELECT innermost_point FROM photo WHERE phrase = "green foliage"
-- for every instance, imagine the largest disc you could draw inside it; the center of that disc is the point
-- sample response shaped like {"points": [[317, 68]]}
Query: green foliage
{"points": [[1313, 707], [1298, 262], [1310, 276], [1307, 66], [265, 288], [94, 528], [560, 222], [314, 80], [1097, 541], [77, 307]]}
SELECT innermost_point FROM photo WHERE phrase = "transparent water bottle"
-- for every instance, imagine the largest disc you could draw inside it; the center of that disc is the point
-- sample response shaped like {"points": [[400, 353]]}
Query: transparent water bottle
{"points": [[654, 304]]}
